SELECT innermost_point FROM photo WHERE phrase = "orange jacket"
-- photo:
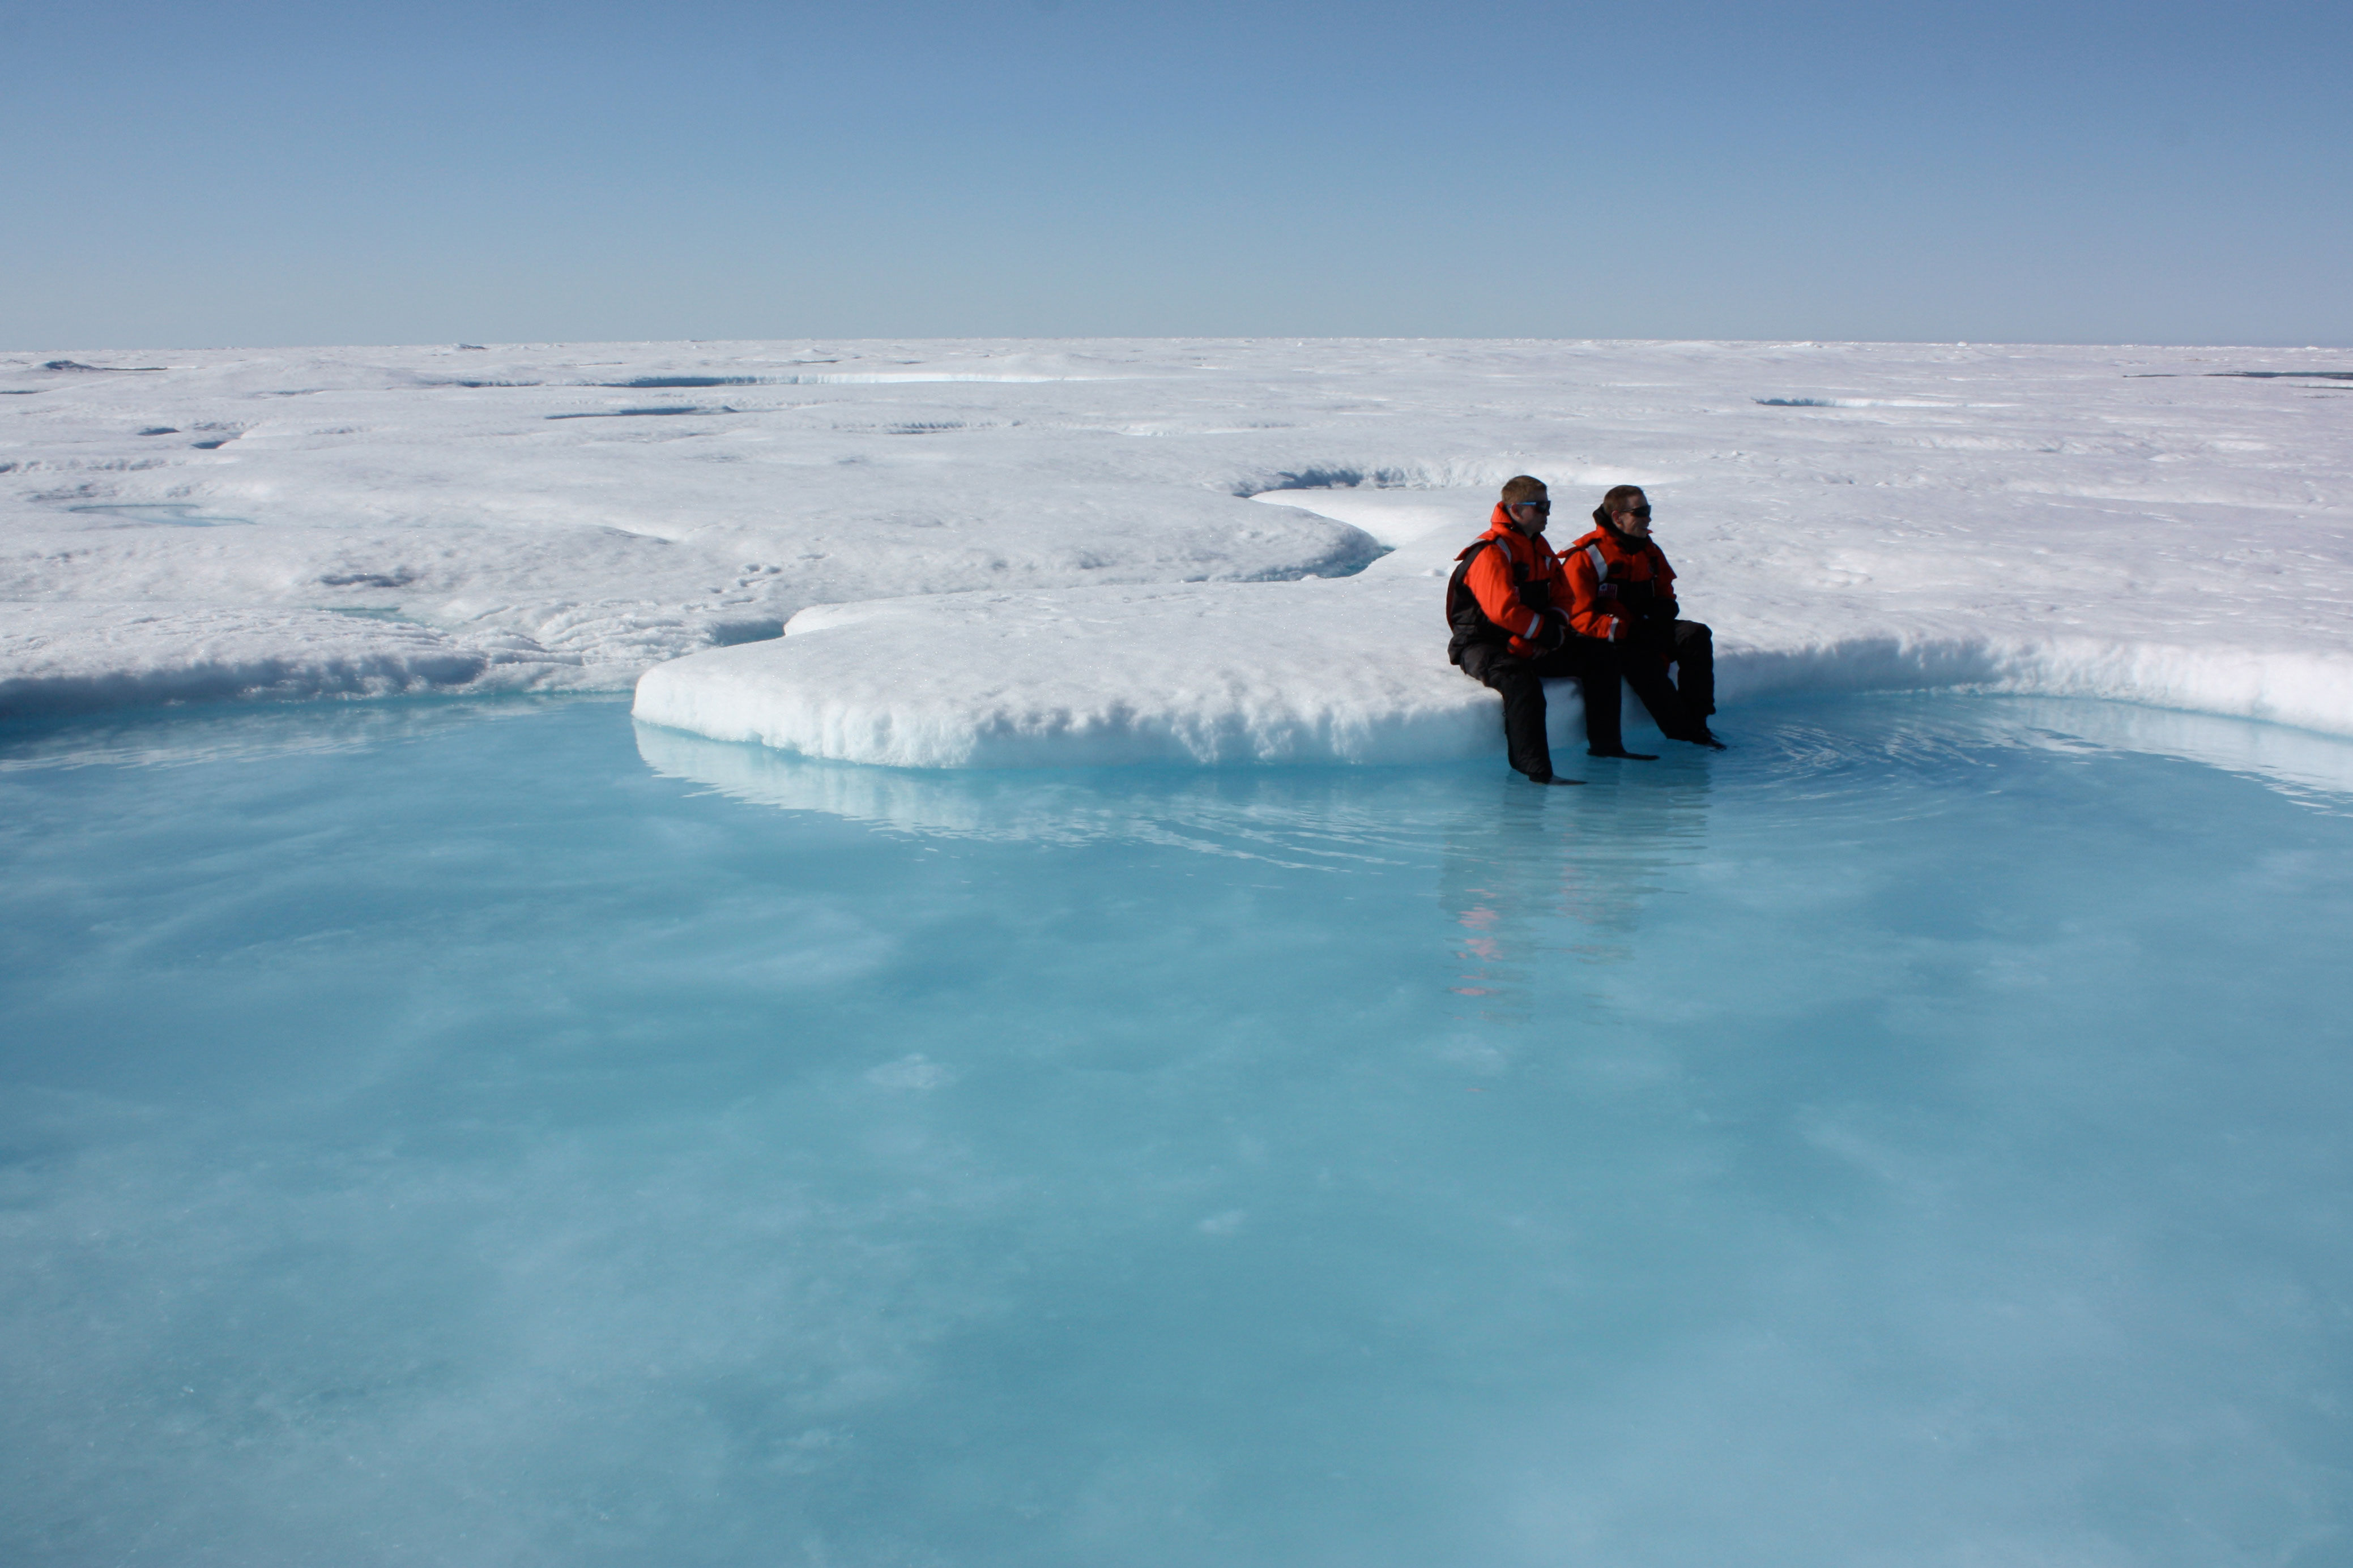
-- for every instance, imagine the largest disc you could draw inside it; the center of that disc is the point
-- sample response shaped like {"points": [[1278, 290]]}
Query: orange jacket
{"points": [[1516, 582], [1613, 581]]}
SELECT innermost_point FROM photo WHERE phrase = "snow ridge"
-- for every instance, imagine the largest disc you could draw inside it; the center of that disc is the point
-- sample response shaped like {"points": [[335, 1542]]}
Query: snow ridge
{"points": [[66, 659]]}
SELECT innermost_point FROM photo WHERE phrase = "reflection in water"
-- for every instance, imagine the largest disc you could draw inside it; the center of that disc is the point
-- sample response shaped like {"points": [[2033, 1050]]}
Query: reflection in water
{"points": [[1535, 885], [1528, 878], [177, 514], [1531, 884]]}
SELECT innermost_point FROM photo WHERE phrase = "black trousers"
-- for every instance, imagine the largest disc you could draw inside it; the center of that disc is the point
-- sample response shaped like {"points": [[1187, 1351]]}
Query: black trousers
{"points": [[1589, 661], [1600, 669], [1691, 648]]}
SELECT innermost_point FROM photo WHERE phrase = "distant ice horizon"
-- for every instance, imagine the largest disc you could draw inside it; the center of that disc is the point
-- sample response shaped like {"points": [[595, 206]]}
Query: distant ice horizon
{"points": [[1001, 340]]}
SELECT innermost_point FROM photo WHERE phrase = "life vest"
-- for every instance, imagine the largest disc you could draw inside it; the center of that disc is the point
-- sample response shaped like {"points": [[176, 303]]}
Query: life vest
{"points": [[1616, 583], [1464, 619]]}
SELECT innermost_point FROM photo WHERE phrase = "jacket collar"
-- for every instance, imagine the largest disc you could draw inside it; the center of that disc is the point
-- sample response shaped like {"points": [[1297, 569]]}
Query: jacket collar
{"points": [[1499, 526], [1622, 540]]}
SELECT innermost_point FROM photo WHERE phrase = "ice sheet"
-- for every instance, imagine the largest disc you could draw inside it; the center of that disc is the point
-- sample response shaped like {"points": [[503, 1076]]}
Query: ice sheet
{"points": [[557, 518], [1053, 552]]}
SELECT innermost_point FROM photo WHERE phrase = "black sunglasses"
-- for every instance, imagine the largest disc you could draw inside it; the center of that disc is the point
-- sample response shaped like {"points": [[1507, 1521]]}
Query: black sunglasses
{"points": [[1642, 511], [1544, 506]]}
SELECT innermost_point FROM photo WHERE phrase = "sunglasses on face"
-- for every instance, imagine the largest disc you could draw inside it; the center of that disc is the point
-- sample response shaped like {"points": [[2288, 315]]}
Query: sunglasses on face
{"points": [[1541, 507], [1642, 511]]}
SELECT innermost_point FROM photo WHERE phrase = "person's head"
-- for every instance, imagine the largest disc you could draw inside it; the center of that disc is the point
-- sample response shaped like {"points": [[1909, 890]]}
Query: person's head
{"points": [[1528, 503], [1629, 510]]}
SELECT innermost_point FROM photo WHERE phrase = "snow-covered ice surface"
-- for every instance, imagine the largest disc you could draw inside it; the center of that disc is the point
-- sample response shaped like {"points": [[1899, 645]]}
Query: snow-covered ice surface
{"points": [[182, 525], [1034, 552], [433, 1136]]}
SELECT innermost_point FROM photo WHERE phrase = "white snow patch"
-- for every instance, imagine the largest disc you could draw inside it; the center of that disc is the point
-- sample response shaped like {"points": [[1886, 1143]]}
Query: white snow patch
{"points": [[1299, 672], [988, 568], [1349, 672], [77, 657]]}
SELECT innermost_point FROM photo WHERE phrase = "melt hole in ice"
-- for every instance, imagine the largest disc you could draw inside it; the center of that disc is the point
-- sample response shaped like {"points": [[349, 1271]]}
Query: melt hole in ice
{"points": [[176, 514]]}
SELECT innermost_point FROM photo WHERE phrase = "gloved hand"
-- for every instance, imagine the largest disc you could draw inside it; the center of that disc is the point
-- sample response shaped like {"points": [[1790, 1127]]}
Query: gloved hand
{"points": [[1550, 632]]}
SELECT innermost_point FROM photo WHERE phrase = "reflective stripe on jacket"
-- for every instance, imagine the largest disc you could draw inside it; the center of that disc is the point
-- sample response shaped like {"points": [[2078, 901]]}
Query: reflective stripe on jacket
{"points": [[1612, 579], [1515, 580]]}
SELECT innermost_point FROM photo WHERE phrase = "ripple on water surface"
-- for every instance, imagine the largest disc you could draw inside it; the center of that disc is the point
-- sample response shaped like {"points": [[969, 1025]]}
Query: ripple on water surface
{"points": [[452, 1133]]}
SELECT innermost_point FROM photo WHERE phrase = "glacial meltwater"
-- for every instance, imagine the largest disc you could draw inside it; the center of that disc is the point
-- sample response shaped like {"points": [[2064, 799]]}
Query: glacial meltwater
{"points": [[499, 1134]]}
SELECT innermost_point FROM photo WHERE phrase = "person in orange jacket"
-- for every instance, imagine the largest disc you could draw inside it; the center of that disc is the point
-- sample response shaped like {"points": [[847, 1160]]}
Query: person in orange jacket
{"points": [[1621, 591], [1508, 606]]}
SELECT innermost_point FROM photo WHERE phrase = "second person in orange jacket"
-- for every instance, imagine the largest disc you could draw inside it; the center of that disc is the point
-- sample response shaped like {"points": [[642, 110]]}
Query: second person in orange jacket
{"points": [[1622, 591]]}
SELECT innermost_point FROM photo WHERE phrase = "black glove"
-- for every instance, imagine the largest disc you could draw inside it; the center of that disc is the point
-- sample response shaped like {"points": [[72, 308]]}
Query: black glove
{"points": [[1550, 632]]}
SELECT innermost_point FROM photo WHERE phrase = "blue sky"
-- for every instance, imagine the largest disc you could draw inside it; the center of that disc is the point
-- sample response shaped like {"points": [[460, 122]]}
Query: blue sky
{"points": [[271, 173]]}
